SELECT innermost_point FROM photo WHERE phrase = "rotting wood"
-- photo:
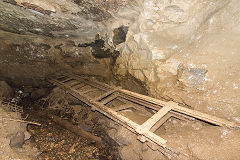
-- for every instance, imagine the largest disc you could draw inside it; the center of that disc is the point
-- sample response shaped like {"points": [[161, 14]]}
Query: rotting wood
{"points": [[74, 129], [22, 121], [109, 99], [90, 90], [155, 107], [67, 80], [78, 86], [105, 94], [160, 122], [72, 83], [75, 84], [146, 126], [145, 131], [92, 82], [182, 110]]}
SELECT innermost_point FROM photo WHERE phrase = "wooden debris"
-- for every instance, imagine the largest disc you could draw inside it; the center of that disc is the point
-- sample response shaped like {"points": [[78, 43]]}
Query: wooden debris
{"points": [[75, 129], [22, 121], [165, 110]]}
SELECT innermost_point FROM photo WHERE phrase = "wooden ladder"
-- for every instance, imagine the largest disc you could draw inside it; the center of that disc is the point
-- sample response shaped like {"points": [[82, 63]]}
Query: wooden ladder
{"points": [[74, 85]]}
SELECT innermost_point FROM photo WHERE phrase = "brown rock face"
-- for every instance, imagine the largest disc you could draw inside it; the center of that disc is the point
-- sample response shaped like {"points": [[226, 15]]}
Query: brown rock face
{"points": [[183, 51]]}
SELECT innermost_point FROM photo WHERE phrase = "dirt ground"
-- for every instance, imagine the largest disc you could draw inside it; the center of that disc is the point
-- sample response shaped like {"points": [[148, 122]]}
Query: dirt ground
{"points": [[193, 139], [50, 140], [56, 142], [9, 127]]}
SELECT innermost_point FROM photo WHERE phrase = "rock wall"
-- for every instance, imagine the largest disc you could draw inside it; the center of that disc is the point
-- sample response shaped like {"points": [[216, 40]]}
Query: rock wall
{"points": [[28, 60], [39, 38], [186, 51]]}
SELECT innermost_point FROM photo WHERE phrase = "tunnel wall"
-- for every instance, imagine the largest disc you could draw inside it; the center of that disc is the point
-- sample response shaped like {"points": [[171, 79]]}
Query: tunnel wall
{"points": [[186, 51]]}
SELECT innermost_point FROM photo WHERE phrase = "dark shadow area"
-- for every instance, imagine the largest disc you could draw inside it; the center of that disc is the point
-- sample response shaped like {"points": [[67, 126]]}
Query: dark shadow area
{"points": [[120, 35]]}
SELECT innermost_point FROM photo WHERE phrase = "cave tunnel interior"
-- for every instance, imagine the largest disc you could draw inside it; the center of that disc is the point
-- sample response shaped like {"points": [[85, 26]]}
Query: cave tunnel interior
{"points": [[132, 57]]}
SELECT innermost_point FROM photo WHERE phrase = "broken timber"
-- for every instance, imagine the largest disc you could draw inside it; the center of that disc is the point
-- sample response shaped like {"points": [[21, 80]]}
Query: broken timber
{"points": [[74, 85]]}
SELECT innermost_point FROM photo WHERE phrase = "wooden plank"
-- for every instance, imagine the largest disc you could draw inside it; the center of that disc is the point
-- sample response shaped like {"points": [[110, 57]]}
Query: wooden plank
{"points": [[105, 94], [60, 77], [205, 117], [182, 116], [66, 80], [155, 138], [94, 84], [146, 126], [97, 85], [122, 107], [143, 97], [140, 101], [108, 99], [183, 110], [74, 129], [156, 107], [161, 122], [78, 86], [90, 90], [75, 84], [56, 82], [70, 83]]}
